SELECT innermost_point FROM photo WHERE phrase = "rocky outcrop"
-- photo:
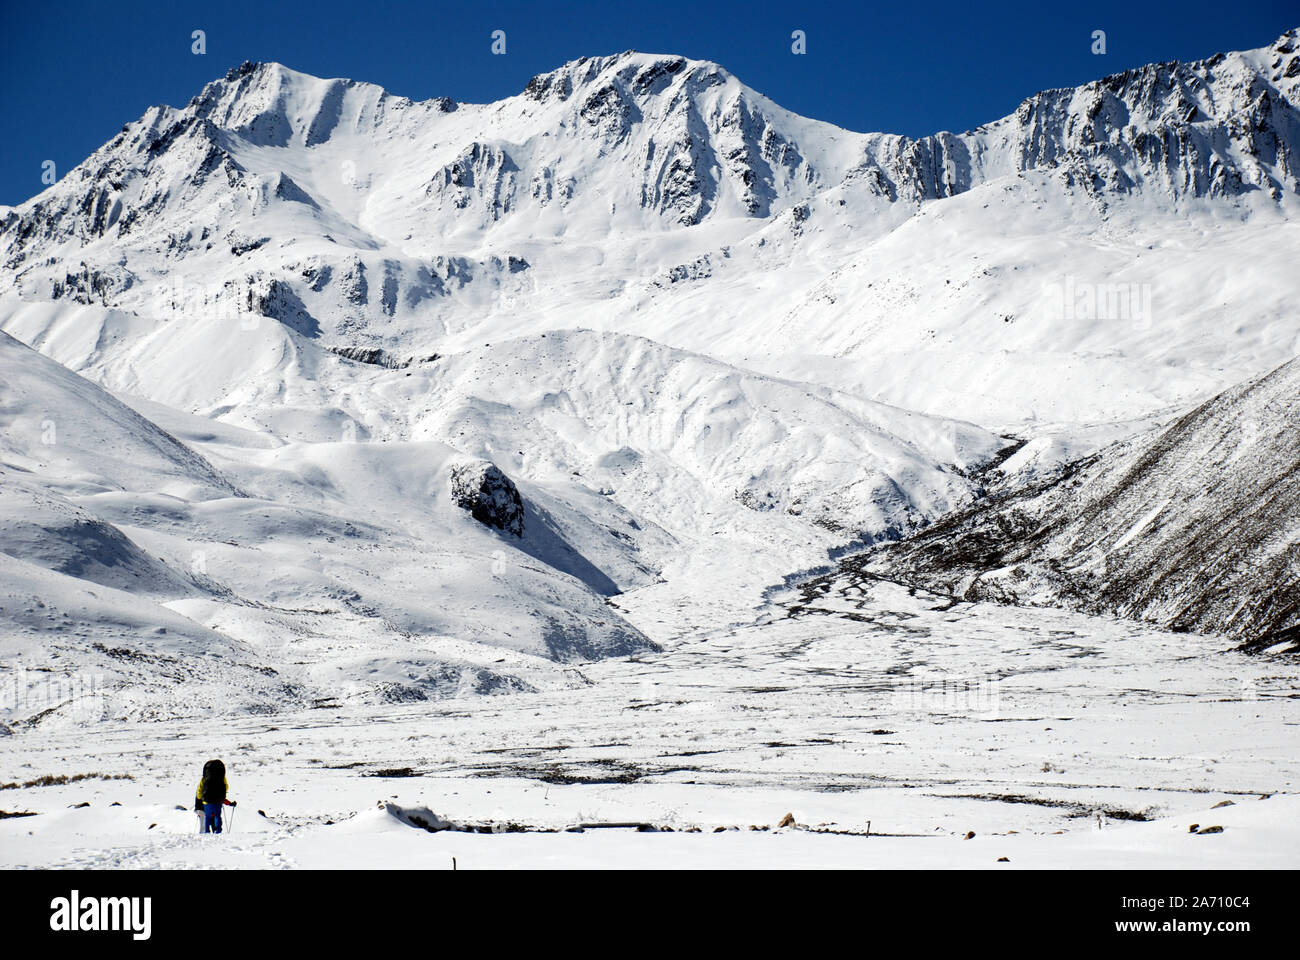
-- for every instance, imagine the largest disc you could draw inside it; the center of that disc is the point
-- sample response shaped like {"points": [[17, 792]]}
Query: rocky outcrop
{"points": [[286, 189], [489, 495], [483, 176], [276, 299]]}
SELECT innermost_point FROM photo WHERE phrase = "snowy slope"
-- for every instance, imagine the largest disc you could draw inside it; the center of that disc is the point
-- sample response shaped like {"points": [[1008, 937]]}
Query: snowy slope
{"points": [[1195, 527], [67, 430], [125, 549], [1022, 305]]}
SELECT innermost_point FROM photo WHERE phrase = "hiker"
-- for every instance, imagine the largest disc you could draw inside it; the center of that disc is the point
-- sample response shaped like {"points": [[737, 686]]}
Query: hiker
{"points": [[211, 795]]}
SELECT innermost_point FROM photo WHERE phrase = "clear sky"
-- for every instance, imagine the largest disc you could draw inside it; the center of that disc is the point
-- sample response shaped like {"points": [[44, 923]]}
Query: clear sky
{"points": [[72, 73]]}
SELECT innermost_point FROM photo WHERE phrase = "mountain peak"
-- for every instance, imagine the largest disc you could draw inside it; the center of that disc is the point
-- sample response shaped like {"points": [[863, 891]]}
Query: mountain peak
{"points": [[270, 104], [639, 73], [258, 75]]}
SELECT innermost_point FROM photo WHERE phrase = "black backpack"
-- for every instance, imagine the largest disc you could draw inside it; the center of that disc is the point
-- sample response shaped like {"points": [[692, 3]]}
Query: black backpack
{"points": [[214, 781]]}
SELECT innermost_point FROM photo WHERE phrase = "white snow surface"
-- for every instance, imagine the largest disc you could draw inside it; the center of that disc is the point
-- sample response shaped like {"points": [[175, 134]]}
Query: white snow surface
{"points": [[1061, 741], [711, 346]]}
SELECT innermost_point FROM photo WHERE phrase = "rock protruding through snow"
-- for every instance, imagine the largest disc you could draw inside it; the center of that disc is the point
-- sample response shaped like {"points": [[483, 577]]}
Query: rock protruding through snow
{"points": [[489, 495]]}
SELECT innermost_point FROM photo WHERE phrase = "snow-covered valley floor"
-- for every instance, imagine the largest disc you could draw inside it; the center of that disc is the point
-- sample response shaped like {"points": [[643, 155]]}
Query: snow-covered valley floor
{"points": [[1060, 740]]}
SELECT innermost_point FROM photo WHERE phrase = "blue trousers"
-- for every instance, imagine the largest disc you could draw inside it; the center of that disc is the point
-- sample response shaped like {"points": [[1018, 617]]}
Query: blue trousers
{"points": [[212, 818]]}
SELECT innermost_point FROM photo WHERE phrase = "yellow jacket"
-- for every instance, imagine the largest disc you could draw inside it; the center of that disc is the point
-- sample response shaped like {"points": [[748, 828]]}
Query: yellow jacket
{"points": [[198, 794]]}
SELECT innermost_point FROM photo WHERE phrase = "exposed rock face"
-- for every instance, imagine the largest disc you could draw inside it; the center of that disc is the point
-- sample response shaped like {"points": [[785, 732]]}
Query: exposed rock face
{"points": [[1195, 526], [378, 357], [286, 189], [483, 174], [275, 298], [1219, 127], [489, 495]]}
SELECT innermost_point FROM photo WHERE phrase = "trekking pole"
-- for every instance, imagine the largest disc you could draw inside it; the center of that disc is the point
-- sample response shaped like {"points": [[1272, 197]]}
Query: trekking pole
{"points": [[230, 820]]}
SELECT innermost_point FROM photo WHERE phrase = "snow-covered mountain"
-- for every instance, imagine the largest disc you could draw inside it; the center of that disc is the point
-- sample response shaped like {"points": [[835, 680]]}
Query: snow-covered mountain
{"points": [[279, 574], [398, 394], [662, 197], [629, 143]]}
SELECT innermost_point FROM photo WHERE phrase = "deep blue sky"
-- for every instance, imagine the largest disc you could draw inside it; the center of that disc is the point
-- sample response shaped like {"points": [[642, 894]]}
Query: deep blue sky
{"points": [[72, 73]]}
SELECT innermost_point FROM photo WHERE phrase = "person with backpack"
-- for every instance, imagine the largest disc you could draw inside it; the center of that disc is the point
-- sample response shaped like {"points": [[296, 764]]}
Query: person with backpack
{"points": [[211, 795]]}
